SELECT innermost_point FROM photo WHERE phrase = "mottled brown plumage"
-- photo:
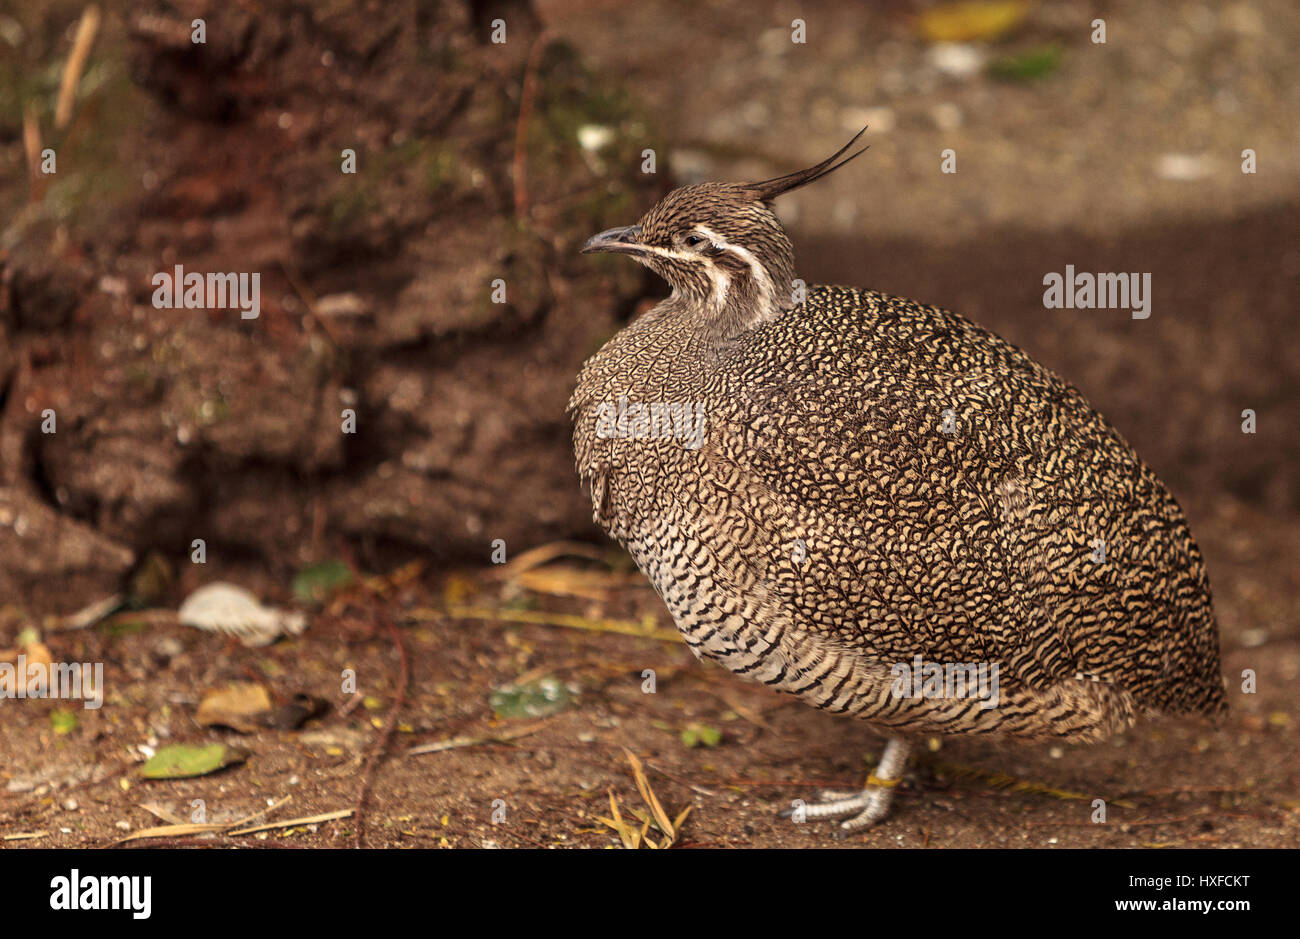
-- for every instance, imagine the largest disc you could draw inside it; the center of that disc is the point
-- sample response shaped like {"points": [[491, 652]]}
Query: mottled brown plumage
{"points": [[871, 480]]}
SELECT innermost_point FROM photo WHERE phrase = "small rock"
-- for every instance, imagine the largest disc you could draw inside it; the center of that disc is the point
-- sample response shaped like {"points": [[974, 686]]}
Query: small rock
{"points": [[341, 304], [168, 647], [956, 59], [946, 116], [594, 137], [878, 119], [113, 286], [1182, 167], [1254, 638], [71, 805]]}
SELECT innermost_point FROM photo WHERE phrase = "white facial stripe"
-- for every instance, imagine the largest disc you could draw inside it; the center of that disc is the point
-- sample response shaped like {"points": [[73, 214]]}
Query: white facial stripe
{"points": [[721, 282], [668, 253], [760, 273]]}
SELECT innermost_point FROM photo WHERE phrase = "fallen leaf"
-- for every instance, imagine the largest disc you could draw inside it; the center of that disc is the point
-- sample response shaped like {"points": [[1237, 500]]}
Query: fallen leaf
{"points": [[241, 705], [696, 735], [972, 19], [63, 721], [539, 698], [1037, 63], [181, 761], [316, 583]]}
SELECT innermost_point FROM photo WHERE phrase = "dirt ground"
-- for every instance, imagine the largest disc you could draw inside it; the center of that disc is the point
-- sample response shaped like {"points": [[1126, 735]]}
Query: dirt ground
{"points": [[1055, 171], [1167, 783]]}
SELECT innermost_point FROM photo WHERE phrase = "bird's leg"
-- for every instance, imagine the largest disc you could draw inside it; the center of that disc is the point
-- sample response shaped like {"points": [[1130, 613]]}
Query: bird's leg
{"points": [[867, 806]]}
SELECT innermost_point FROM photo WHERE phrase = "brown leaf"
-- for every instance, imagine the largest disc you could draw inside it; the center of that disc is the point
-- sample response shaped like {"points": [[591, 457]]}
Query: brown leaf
{"points": [[242, 706]]}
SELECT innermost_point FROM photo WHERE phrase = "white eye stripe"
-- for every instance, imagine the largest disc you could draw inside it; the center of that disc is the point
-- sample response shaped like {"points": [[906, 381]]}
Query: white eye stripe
{"points": [[756, 268], [721, 282]]}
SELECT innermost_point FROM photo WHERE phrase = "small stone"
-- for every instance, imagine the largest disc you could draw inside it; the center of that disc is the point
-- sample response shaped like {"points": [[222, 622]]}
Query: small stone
{"points": [[341, 304], [594, 137], [1182, 167], [878, 119], [168, 647], [946, 116], [955, 59], [1254, 638]]}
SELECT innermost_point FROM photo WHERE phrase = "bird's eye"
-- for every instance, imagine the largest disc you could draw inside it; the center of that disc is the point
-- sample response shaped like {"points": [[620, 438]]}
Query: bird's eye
{"points": [[694, 241]]}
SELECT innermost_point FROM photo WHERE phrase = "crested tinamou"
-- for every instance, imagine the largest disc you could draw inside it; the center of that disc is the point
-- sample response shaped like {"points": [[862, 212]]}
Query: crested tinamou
{"points": [[876, 505]]}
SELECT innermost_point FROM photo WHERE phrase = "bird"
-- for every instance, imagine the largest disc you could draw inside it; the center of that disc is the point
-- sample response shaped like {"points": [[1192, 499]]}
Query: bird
{"points": [[878, 506]]}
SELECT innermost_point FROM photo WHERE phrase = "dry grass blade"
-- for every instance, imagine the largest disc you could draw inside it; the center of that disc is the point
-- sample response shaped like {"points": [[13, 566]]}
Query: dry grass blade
{"points": [[32, 148], [454, 743], [566, 581], [648, 795], [1005, 781], [174, 831], [88, 616], [630, 837], [184, 829], [615, 821], [291, 822], [75, 65], [384, 584], [25, 836], [544, 554], [681, 817], [642, 630]]}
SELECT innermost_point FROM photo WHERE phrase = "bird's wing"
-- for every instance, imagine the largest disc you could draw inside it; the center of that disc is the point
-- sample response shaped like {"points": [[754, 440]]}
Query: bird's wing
{"points": [[938, 510]]}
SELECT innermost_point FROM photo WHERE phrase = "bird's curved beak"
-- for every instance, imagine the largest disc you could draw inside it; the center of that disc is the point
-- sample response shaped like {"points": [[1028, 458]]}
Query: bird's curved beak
{"points": [[617, 241]]}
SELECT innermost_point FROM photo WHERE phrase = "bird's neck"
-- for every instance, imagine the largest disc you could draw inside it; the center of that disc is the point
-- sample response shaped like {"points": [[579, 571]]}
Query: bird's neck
{"points": [[735, 305]]}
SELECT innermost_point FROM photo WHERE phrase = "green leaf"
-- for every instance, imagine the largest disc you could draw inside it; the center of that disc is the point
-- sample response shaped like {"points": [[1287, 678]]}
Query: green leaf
{"points": [[316, 583], [123, 628], [181, 761], [1028, 66], [537, 698], [64, 721], [695, 735]]}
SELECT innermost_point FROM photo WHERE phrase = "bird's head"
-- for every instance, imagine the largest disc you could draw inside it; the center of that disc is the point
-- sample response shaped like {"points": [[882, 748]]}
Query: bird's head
{"points": [[720, 246]]}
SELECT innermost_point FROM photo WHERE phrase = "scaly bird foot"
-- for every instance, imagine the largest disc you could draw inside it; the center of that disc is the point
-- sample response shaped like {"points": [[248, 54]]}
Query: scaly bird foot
{"points": [[865, 807]]}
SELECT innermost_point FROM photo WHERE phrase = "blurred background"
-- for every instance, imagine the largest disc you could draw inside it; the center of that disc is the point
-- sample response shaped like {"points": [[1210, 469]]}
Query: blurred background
{"points": [[479, 160]]}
